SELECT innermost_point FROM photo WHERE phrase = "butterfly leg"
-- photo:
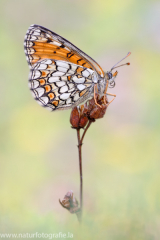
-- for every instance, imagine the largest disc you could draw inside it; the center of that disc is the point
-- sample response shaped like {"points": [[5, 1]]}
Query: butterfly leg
{"points": [[105, 102], [110, 94], [106, 87], [95, 88], [113, 95]]}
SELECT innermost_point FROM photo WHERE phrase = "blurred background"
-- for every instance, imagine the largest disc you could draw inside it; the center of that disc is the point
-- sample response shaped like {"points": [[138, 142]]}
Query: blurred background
{"points": [[38, 149]]}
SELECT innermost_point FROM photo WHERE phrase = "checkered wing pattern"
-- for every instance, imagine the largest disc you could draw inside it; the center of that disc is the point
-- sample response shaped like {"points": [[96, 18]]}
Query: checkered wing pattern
{"points": [[57, 84], [41, 43], [61, 75]]}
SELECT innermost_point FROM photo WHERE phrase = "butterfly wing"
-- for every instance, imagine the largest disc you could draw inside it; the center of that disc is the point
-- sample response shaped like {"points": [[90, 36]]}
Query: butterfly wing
{"points": [[41, 43], [58, 84]]}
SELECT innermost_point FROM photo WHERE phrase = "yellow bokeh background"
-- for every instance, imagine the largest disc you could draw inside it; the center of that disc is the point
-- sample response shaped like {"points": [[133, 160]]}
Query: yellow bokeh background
{"points": [[38, 149]]}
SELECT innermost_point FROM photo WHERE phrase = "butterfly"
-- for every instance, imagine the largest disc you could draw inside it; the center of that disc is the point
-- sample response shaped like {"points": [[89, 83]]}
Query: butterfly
{"points": [[61, 75]]}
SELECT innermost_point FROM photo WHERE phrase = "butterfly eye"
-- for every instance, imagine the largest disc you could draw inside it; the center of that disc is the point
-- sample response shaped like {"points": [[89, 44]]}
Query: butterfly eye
{"points": [[110, 75]]}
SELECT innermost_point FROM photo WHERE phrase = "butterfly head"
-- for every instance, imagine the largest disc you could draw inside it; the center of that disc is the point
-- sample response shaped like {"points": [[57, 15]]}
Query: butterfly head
{"points": [[111, 78]]}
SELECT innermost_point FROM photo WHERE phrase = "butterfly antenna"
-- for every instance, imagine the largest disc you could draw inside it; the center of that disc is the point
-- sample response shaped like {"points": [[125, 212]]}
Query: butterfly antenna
{"points": [[121, 61]]}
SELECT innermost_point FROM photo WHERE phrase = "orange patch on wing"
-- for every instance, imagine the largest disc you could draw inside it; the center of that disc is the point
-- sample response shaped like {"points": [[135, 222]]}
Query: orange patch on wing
{"points": [[51, 95], [55, 103], [69, 78], [42, 81], [44, 73], [79, 76], [82, 92], [42, 49], [48, 88], [41, 45], [52, 49], [49, 50], [48, 56], [79, 70]]}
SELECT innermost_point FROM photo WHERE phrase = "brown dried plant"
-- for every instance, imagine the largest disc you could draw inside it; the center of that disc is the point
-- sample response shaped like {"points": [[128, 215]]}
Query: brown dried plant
{"points": [[81, 118]]}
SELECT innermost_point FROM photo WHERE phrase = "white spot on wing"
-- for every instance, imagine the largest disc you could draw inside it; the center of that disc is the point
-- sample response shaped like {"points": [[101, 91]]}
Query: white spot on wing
{"points": [[71, 90], [30, 51], [29, 44], [76, 97], [33, 38], [47, 35], [36, 74], [85, 73], [71, 85], [35, 84], [64, 96], [74, 67], [90, 70], [64, 89], [95, 80], [64, 78], [37, 30], [62, 64], [40, 91], [45, 100], [36, 33], [68, 101], [80, 86], [57, 73], [56, 43], [67, 48], [70, 72], [53, 79], [48, 61], [42, 66], [78, 80], [60, 83], [61, 69]]}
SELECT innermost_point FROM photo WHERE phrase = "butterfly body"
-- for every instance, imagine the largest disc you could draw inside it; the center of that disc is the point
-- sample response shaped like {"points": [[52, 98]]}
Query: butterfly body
{"points": [[61, 75]]}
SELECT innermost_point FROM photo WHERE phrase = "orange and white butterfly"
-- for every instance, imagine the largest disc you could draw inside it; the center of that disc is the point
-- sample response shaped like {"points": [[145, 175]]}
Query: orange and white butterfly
{"points": [[61, 75]]}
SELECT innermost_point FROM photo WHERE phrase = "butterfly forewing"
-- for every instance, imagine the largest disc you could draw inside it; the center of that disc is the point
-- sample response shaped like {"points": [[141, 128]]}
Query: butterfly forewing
{"points": [[41, 43], [57, 84], [61, 75]]}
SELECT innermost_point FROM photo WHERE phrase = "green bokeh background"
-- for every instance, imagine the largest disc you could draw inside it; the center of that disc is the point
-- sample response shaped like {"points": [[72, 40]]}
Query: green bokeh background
{"points": [[121, 159]]}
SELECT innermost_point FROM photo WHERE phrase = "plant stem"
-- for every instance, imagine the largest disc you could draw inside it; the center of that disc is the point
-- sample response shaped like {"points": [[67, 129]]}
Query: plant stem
{"points": [[80, 172], [88, 125], [80, 141]]}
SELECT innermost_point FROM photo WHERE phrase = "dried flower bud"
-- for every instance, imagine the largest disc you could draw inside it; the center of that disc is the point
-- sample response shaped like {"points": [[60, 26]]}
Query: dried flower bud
{"points": [[78, 118], [83, 115], [89, 111], [98, 112], [70, 203], [95, 111], [74, 118]]}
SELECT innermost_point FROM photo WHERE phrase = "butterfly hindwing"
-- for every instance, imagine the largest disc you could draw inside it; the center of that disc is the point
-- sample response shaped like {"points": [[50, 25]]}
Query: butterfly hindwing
{"points": [[57, 84], [41, 43]]}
